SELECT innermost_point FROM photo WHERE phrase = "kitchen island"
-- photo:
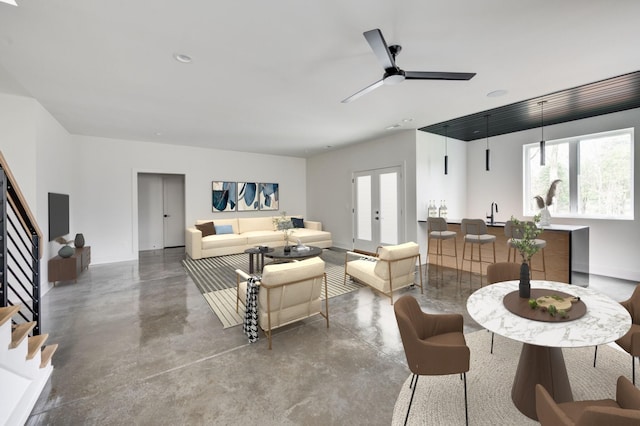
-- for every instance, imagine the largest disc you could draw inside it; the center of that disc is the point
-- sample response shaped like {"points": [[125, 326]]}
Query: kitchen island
{"points": [[567, 249]]}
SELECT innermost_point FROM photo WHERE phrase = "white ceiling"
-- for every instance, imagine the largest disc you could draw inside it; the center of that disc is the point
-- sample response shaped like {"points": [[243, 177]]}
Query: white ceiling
{"points": [[268, 76]]}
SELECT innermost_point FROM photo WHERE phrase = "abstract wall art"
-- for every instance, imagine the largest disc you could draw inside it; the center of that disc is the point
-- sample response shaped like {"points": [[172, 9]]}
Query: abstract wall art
{"points": [[248, 196], [223, 196], [269, 196]]}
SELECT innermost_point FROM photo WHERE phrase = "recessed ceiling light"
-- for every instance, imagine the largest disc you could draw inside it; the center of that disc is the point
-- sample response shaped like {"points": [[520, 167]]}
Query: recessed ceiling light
{"points": [[158, 133], [407, 120], [393, 126], [181, 57], [497, 93]]}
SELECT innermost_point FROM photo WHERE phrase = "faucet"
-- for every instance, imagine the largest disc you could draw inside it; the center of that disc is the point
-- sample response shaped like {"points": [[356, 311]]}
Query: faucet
{"points": [[491, 217]]}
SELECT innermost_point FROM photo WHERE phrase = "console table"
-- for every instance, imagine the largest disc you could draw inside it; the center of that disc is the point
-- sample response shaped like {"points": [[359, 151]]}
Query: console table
{"points": [[68, 268]]}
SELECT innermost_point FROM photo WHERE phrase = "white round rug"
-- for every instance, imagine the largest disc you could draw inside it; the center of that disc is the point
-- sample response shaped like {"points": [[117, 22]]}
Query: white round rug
{"points": [[439, 400]]}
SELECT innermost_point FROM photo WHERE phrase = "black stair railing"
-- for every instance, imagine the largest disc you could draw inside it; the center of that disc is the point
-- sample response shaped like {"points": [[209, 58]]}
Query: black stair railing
{"points": [[20, 251]]}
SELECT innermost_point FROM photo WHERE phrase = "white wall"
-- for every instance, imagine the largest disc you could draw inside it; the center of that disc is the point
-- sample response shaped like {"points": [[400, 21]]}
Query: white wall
{"points": [[38, 151], [329, 182], [613, 247], [108, 188], [433, 184]]}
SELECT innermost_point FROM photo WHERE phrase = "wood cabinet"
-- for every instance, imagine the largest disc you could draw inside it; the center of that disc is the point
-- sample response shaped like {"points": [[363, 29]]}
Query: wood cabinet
{"points": [[69, 268]]}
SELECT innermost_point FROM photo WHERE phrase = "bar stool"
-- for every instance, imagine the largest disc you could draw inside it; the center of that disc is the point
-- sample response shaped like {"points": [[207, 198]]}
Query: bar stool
{"points": [[437, 230], [513, 233], [475, 233]]}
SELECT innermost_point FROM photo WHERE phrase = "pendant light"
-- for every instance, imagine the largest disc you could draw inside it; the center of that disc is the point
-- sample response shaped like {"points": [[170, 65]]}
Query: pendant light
{"points": [[446, 156], [542, 142], [487, 153]]}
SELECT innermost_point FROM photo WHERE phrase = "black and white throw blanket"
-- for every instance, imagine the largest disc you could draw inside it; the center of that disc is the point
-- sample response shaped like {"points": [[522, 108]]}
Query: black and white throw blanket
{"points": [[250, 326]]}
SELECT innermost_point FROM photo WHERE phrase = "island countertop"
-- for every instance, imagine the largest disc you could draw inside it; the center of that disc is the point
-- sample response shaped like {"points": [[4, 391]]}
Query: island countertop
{"points": [[551, 227]]}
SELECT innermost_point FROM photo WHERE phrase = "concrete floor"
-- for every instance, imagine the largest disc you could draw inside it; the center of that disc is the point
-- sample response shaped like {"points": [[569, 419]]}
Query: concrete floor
{"points": [[138, 344]]}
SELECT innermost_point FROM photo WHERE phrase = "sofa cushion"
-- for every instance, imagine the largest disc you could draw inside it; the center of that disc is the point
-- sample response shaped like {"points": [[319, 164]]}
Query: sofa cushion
{"points": [[207, 228], [224, 229], [306, 235], [248, 224], [263, 237], [223, 240], [297, 222]]}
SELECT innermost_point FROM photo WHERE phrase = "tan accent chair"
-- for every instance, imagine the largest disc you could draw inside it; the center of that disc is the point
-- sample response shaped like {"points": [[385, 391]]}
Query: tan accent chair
{"points": [[437, 230], [624, 411], [502, 271], [513, 233], [475, 233], [433, 344], [630, 342], [289, 292], [393, 268]]}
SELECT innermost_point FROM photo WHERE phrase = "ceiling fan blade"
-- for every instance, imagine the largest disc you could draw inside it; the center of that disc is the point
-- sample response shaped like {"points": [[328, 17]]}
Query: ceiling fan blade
{"points": [[428, 75], [364, 91], [380, 48]]}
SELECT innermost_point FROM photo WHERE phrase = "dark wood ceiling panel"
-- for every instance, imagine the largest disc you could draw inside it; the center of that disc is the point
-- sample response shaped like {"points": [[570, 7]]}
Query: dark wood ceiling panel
{"points": [[598, 98]]}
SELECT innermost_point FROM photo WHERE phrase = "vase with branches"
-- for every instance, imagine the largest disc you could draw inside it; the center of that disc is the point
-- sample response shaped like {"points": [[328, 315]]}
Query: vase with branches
{"points": [[283, 223], [524, 240], [544, 203]]}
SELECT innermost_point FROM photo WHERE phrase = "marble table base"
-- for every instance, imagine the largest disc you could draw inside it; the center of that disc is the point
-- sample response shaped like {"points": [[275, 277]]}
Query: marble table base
{"points": [[539, 364]]}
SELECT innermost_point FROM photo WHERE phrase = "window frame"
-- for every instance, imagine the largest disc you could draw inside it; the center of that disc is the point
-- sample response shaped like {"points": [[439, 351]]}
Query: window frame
{"points": [[573, 144]]}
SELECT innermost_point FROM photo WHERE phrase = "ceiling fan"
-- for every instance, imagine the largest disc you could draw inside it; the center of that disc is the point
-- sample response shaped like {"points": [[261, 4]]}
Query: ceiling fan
{"points": [[392, 73]]}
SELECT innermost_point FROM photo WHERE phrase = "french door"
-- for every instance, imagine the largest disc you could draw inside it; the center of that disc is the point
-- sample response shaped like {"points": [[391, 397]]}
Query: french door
{"points": [[377, 212]]}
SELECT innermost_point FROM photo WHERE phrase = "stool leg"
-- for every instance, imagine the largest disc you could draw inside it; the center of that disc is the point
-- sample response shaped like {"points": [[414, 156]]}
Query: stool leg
{"points": [[544, 266]]}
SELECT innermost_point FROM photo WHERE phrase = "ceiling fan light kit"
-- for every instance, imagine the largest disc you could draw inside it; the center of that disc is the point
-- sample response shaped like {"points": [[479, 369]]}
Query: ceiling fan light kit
{"points": [[392, 73]]}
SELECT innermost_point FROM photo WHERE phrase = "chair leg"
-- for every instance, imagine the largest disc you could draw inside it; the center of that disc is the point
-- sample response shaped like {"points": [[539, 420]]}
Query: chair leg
{"points": [[413, 377], [466, 408], [633, 369], [411, 400], [492, 334], [595, 356]]}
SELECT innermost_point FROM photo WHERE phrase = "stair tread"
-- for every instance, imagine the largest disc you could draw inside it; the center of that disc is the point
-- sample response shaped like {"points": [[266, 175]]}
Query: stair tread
{"points": [[7, 312], [35, 343], [47, 354], [20, 332]]}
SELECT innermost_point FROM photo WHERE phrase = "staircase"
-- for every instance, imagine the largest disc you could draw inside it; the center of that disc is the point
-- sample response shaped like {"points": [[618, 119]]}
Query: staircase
{"points": [[24, 367], [25, 362]]}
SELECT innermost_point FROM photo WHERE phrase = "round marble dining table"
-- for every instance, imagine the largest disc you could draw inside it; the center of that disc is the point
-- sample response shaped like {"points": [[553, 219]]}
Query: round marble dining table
{"points": [[541, 359]]}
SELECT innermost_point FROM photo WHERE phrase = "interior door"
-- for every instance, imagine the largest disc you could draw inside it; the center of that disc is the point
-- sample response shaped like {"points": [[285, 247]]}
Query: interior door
{"points": [[377, 211], [173, 210]]}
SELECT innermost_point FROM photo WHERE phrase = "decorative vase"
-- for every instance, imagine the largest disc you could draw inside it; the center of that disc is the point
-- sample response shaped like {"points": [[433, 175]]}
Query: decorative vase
{"points": [[525, 282], [79, 241], [65, 251], [545, 216]]}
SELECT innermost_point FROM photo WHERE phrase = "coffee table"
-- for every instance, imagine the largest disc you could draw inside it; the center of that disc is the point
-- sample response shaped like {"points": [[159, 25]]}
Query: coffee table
{"points": [[257, 253], [279, 255]]}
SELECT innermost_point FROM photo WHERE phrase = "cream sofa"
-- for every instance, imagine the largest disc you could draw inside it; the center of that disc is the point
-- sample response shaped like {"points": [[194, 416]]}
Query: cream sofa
{"points": [[289, 292], [251, 232]]}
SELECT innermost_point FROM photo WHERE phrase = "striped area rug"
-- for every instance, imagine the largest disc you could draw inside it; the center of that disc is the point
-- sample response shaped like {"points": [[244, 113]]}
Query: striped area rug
{"points": [[216, 279]]}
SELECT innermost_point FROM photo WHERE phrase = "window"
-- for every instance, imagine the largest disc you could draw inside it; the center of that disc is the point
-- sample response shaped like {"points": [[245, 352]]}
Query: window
{"points": [[596, 172]]}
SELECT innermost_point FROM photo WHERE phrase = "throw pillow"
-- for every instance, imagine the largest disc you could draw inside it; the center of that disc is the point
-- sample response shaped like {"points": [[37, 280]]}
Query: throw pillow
{"points": [[224, 229], [207, 228], [297, 222]]}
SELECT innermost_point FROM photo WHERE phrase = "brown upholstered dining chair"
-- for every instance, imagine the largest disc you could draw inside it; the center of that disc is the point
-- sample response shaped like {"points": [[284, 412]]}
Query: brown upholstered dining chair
{"points": [[433, 344], [502, 271], [624, 411], [630, 342]]}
